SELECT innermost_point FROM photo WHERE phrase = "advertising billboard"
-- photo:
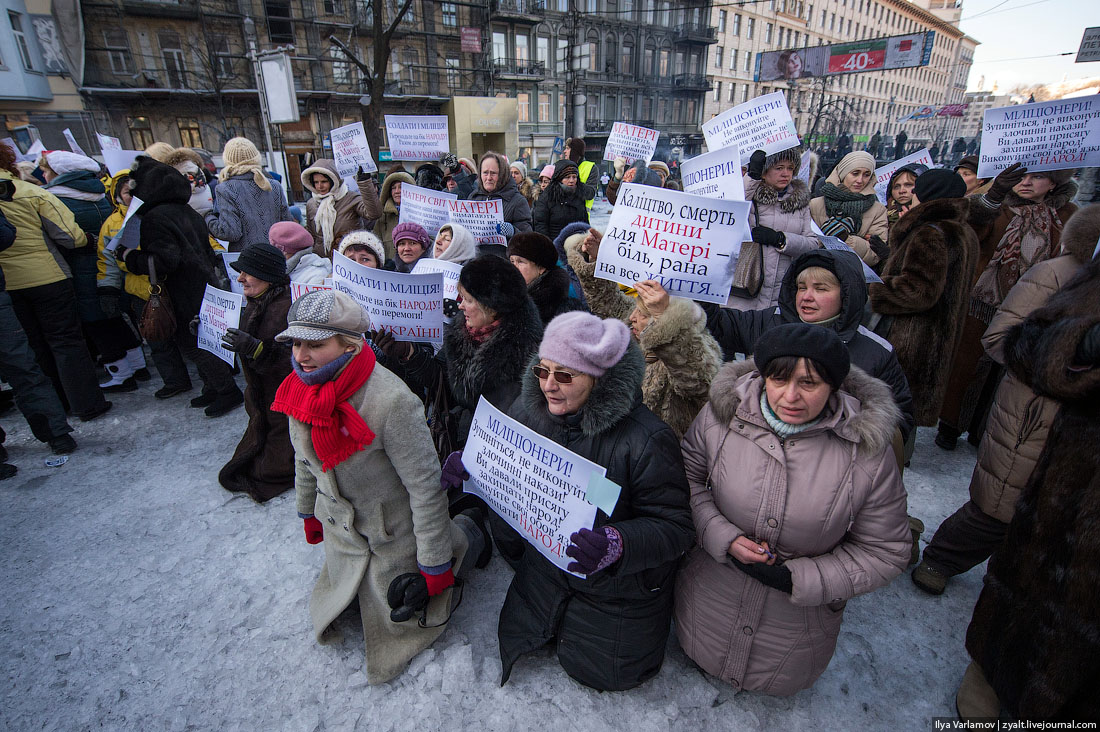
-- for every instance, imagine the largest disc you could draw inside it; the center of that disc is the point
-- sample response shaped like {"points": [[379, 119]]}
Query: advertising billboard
{"points": [[875, 54]]}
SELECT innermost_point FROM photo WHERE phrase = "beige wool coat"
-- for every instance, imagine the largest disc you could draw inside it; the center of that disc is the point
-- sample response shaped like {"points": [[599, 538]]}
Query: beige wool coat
{"points": [[829, 501], [383, 511]]}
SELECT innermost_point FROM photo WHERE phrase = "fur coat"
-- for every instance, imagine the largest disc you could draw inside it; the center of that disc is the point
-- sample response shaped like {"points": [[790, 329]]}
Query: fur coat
{"points": [[550, 293]]}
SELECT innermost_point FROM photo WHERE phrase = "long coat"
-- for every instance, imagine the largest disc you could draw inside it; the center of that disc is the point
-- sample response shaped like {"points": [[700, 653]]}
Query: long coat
{"points": [[263, 463], [43, 227], [829, 501], [353, 210], [391, 212], [383, 512], [1036, 626], [926, 288], [552, 211], [610, 629], [245, 212]]}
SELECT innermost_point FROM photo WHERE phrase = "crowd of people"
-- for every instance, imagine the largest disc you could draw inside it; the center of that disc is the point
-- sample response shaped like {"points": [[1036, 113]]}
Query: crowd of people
{"points": [[759, 446]]}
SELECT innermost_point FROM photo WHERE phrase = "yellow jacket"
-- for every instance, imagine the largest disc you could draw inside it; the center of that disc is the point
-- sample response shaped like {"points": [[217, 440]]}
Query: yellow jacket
{"points": [[42, 224]]}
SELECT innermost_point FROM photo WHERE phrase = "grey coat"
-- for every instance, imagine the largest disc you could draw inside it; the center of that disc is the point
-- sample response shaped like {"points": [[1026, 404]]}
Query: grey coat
{"points": [[244, 212]]}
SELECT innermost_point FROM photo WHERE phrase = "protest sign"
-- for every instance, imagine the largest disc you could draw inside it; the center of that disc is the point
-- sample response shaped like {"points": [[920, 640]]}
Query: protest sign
{"points": [[220, 310], [449, 270], [351, 152], [408, 306], [135, 204], [882, 175], [480, 217], [297, 289], [763, 123], [106, 142], [530, 481], [715, 175], [418, 137], [1041, 136], [425, 207], [687, 243], [36, 149], [631, 142], [838, 245], [73, 144], [119, 160], [228, 258]]}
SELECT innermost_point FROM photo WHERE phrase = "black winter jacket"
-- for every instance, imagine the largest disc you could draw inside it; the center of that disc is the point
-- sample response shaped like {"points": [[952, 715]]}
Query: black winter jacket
{"points": [[553, 211], [736, 331], [550, 293], [610, 629]]}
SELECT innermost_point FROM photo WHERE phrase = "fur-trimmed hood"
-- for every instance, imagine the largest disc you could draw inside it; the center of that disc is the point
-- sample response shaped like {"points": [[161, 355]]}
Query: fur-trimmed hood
{"points": [[862, 411], [613, 397], [1081, 232], [325, 167], [184, 159], [387, 186], [944, 209], [795, 197], [570, 230], [158, 183]]}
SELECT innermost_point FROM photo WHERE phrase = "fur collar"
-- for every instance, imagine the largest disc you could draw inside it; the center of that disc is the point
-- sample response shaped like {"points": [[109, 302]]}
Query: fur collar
{"points": [[796, 197], [548, 291], [615, 395], [944, 209], [1080, 233], [1056, 199], [863, 411], [577, 227], [473, 369]]}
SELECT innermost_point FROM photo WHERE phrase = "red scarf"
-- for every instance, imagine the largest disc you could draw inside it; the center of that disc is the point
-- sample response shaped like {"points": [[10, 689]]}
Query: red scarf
{"points": [[480, 335], [338, 429]]}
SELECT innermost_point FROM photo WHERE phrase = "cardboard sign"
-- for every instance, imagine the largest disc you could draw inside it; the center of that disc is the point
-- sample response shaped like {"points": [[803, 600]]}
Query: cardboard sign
{"points": [[408, 306], [73, 144], [763, 123], [1042, 136], [425, 207], [419, 137], [715, 175], [449, 270], [530, 481], [220, 311], [351, 151], [119, 160], [297, 289], [228, 258], [480, 217], [108, 143], [631, 142], [687, 243], [882, 175]]}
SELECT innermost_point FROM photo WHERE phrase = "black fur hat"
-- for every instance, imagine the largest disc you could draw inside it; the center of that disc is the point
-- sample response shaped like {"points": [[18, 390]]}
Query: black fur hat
{"points": [[495, 283], [429, 176], [535, 247]]}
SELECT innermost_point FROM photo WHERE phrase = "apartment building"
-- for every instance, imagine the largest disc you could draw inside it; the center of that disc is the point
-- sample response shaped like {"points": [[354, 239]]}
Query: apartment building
{"points": [[978, 102]]}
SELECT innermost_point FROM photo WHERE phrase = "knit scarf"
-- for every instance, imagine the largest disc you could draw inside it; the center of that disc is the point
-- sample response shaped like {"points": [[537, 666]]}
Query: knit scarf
{"points": [[338, 430], [842, 202], [480, 335], [325, 217], [241, 168], [778, 426], [1028, 240]]}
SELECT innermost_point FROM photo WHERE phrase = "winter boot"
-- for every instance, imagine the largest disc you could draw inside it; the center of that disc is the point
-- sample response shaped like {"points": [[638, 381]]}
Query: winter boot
{"points": [[975, 698], [122, 377], [205, 399], [916, 526], [136, 358], [225, 403], [929, 579], [167, 391], [947, 436], [62, 445]]}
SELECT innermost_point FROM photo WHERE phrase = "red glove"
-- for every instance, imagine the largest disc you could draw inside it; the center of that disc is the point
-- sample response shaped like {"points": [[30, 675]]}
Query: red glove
{"points": [[438, 582], [315, 532]]}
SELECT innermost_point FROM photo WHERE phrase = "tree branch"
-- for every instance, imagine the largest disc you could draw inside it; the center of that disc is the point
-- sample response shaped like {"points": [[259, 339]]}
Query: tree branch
{"points": [[388, 33], [367, 71]]}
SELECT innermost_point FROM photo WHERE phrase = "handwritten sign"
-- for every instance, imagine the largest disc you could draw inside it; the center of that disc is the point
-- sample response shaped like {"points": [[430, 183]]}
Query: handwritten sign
{"points": [[351, 152], [106, 142], [882, 175], [407, 305], [687, 243], [297, 289], [763, 123], [73, 144], [480, 217], [715, 174], [220, 310], [418, 137], [530, 481], [425, 207], [631, 142], [1042, 136]]}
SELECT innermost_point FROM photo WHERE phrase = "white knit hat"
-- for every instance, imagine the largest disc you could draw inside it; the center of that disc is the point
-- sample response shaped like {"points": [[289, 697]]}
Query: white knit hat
{"points": [[367, 239]]}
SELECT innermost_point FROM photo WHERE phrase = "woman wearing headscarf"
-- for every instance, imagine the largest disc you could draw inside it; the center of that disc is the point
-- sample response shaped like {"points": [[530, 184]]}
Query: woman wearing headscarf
{"points": [[849, 210], [247, 204], [263, 463], [391, 209], [609, 628], [494, 182], [536, 258], [332, 209], [799, 505], [562, 203], [454, 243], [518, 171]]}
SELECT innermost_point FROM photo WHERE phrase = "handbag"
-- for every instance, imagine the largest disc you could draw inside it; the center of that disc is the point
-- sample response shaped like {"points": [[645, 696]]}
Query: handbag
{"points": [[158, 321], [748, 272]]}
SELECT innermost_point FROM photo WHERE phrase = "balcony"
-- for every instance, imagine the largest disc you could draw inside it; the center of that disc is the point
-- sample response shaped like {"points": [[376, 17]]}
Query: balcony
{"points": [[695, 33], [184, 9], [530, 11], [518, 69], [690, 82]]}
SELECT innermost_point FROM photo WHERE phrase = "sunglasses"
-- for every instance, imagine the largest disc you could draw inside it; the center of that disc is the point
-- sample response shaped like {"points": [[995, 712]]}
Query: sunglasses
{"points": [[542, 373]]}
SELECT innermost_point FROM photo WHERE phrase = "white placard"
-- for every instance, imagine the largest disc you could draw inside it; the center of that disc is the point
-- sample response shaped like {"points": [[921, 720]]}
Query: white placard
{"points": [[715, 175], [838, 245], [106, 142], [408, 306], [220, 311], [36, 149], [631, 142], [425, 207], [480, 217], [449, 270], [119, 160], [882, 175], [135, 204], [297, 289], [418, 137], [1042, 136], [351, 151], [804, 168], [229, 258], [763, 123], [687, 243], [73, 144], [530, 481]]}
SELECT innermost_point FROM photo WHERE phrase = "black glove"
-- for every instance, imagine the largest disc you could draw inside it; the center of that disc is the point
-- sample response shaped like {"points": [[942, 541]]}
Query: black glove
{"points": [[776, 576], [879, 247], [407, 595], [394, 349], [1088, 350], [193, 326], [756, 165], [120, 254], [360, 175], [450, 307], [238, 341], [1005, 181], [768, 237], [108, 301]]}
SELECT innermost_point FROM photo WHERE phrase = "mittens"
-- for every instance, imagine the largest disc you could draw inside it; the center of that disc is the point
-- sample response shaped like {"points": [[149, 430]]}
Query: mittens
{"points": [[594, 550], [315, 532], [453, 472], [839, 226]]}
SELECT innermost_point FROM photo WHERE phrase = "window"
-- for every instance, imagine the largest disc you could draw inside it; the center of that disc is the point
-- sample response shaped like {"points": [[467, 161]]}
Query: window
{"points": [[627, 57], [680, 63], [849, 26], [544, 107], [733, 59], [649, 59], [737, 24], [718, 92], [593, 55], [16, 21], [751, 28], [733, 93], [279, 27], [341, 67], [175, 66], [832, 21], [332, 7], [647, 109], [663, 69], [824, 15], [744, 93], [662, 110], [500, 46], [721, 21], [190, 134], [117, 44], [542, 51], [411, 61], [627, 8], [524, 100], [590, 6], [718, 57], [592, 109], [610, 56], [523, 51], [141, 132], [450, 15], [454, 75], [563, 55], [768, 33], [748, 61], [561, 106], [220, 60]]}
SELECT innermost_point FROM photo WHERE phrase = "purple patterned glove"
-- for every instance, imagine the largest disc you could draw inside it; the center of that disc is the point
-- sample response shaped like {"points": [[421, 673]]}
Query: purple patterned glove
{"points": [[594, 550], [453, 473]]}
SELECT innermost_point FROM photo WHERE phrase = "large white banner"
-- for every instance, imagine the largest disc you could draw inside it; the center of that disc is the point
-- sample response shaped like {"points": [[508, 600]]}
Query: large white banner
{"points": [[408, 305], [480, 217], [532, 482], [1042, 136], [418, 137], [882, 175], [763, 123], [715, 175], [425, 207], [220, 311], [687, 243], [631, 142], [351, 151]]}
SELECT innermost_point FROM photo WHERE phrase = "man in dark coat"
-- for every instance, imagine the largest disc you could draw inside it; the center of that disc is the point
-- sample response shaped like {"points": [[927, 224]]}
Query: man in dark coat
{"points": [[899, 145]]}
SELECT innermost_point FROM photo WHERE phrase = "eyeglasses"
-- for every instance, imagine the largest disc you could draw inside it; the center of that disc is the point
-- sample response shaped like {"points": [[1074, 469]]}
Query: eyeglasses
{"points": [[542, 374]]}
